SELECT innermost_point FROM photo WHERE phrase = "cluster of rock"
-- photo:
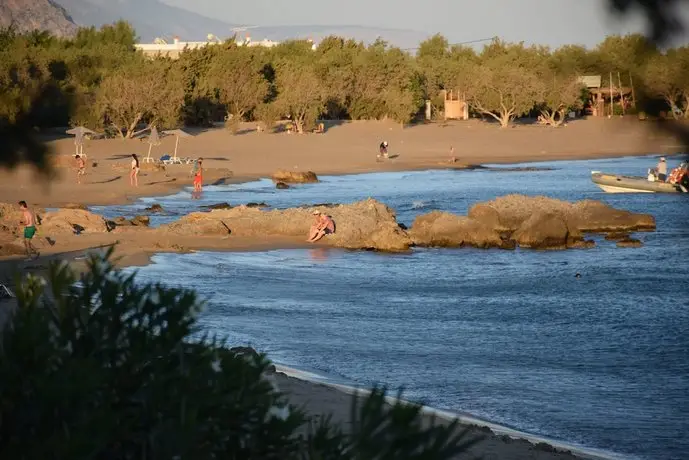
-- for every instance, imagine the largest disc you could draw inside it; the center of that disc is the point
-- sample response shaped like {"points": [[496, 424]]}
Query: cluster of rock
{"points": [[506, 222], [367, 224], [527, 222]]}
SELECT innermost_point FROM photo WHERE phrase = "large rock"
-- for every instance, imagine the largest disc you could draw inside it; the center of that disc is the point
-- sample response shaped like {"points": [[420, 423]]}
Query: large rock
{"points": [[449, 230], [508, 213], [67, 221], [366, 224], [595, 216], [294, 177], [544, 231]]}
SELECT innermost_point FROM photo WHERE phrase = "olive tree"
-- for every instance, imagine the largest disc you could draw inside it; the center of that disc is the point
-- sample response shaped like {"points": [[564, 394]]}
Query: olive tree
{"points": [[301, 94], [238, 76], [503, 91], [147, 91], [561, 95]]}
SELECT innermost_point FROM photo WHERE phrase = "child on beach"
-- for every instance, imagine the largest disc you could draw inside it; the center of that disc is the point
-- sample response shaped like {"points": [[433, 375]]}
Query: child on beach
{"points": [[322, 225], [81, 168], [134, 174], [29, 222]]}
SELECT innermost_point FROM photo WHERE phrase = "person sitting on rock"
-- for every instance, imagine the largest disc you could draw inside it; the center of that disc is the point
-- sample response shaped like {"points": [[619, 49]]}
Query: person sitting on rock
{"points": [[322, 225]]}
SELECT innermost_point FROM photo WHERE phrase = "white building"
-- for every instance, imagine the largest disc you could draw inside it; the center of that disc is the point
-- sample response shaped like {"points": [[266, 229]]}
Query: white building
{"points": [[161, 47]]}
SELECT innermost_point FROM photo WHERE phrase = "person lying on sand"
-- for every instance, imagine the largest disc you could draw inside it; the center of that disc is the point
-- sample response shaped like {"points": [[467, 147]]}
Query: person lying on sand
{"points": [[322, 225]]}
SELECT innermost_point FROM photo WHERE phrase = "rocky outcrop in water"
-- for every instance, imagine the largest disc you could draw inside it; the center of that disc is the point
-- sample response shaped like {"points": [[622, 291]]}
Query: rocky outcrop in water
{"points": [[294, 177], [443, 229], [527, 222], [366, 224], [509, 212], [155, 207]]}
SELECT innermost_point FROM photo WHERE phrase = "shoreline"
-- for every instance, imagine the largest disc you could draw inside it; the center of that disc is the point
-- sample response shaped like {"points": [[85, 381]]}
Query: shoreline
{"points": [[465, 418], [350, 148], [177, 186]]}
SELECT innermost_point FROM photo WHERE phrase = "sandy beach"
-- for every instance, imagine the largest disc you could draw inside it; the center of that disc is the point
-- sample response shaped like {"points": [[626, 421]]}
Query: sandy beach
{"points": [[349, 147], [343, 149]]}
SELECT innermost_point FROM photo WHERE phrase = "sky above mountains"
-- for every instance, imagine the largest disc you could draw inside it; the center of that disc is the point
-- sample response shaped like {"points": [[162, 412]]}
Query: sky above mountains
{"points": [[549, 22]]}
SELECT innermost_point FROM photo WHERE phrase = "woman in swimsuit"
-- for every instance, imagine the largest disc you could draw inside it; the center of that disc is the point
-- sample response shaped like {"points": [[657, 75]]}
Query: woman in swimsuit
{"points": [[134, 174]]}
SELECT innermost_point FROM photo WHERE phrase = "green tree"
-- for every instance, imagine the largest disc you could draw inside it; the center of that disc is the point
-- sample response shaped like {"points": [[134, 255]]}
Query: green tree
{"points": [[149, 92], [301, 94], [561, 95], [334, 66], [571, 60], [384, 85], [238, 76], [201, 103], [507, 83], [626, 54]]}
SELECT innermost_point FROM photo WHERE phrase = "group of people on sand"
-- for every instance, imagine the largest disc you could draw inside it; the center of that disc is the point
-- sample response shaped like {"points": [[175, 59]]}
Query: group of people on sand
{"points": [[135, 167]]}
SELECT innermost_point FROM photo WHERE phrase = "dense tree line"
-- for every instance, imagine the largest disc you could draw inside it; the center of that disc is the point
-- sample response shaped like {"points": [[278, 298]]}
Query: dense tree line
{"points": [[99, 80]]}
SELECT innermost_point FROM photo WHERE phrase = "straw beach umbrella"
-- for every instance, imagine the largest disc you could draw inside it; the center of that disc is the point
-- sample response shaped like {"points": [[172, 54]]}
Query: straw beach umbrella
{"points": [[78, 134], [177, 133], [153, 139]]}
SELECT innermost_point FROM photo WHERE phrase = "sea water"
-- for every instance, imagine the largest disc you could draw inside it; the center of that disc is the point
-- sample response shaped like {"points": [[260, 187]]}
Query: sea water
{"points": [[600, 360]]}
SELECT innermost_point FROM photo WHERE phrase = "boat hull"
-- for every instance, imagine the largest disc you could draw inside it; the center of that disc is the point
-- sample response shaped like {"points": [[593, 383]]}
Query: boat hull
{"points": [[612, 183]]}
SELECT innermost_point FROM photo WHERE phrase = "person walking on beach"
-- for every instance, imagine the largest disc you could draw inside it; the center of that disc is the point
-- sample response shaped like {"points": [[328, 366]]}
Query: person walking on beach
{"points": [[134, 173], [29, 222], [81, 168]]}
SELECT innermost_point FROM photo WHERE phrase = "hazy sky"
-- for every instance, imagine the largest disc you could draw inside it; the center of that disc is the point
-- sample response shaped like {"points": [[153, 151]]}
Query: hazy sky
{"points": [[552, 22]]}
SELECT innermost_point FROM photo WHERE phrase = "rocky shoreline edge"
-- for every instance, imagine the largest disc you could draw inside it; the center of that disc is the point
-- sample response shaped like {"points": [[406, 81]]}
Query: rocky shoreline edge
{"points": [[508, 222]]}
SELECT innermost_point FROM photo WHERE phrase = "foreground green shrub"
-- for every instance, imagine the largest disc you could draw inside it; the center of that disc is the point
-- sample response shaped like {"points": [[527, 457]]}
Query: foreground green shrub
{"points": [[106, 368]]}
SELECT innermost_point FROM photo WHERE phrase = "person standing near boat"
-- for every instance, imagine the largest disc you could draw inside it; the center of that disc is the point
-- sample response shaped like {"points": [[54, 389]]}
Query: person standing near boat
{"points": [[661, 169]]}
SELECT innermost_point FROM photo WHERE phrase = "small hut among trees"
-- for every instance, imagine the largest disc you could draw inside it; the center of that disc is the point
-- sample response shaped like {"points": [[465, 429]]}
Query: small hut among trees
{"points": [[455, 106]]}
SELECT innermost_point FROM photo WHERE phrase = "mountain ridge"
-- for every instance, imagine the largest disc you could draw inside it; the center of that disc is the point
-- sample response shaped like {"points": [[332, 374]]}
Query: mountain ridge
{"points": [[29, 15]]}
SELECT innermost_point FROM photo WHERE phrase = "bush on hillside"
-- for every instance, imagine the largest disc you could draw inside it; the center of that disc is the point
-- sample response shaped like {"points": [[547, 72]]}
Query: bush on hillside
{"points": [[102, 367]]}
